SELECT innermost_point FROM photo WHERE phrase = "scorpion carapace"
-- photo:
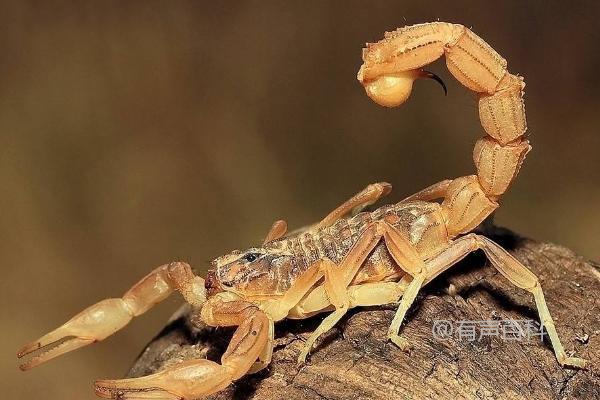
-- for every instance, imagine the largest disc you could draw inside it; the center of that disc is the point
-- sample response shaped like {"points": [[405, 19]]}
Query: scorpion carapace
{"points": [[350, 258]]}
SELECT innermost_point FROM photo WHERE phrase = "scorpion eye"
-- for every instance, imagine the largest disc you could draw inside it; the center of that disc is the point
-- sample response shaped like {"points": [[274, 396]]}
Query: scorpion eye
{"points": [[250, 257]]}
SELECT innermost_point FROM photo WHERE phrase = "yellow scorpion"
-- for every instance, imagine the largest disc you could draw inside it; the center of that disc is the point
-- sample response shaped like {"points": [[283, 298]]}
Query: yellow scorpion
{"points": [[350, 258]]}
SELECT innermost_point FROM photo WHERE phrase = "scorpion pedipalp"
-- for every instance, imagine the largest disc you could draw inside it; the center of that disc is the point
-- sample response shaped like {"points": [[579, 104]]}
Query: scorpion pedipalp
{"points": [[106, 317]]}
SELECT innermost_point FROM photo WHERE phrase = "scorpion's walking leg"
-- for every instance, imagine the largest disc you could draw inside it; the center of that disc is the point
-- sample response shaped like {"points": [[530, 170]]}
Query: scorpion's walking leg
{"points": [[282, 307], [511, 269], [405, 255], [359, 201], [356, 203], [335, 289], [195, 378], [336, 293], [338, 277], [277, 231], [433, 192], [104, 318]]}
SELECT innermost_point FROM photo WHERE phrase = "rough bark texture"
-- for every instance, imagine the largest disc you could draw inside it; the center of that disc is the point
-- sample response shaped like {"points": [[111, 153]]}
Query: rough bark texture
{"points": [[354, 361]]}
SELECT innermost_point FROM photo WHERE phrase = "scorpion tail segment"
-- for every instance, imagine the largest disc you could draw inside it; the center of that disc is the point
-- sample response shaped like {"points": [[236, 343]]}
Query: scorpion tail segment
{"points": [[392, 64], [91, 325], [188, 380]]}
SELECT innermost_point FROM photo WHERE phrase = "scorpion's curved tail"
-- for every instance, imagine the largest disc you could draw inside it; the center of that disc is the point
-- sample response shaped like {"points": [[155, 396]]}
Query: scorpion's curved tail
{"points": [[393, 64]]}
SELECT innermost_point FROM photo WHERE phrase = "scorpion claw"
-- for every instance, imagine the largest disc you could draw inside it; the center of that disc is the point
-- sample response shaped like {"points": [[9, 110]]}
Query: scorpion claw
{"points": [[107, 390], [44, 341], [187, 380], [91, 325], [61, 348]]}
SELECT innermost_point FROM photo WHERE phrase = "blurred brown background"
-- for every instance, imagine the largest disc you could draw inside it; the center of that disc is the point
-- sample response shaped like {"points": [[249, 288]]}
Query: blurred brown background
{"points": [[136, 133]]}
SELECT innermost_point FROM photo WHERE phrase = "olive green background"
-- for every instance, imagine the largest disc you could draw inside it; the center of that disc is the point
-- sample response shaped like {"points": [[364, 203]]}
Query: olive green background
{"points": [[136, 133]]}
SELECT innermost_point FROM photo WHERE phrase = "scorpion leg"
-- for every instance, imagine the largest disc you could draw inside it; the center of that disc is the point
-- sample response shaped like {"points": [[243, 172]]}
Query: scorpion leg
{"points": [[407, 257], [433, 192], [336, 293], [361, 295], [195, 378], [278, 229], [376, 293], [356, 203], [280, 308], [290, 305], [511, 269], [104, 318], [338, 277]]}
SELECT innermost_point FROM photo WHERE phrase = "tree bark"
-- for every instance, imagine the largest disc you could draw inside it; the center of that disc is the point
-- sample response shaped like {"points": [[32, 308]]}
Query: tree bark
{"points": [[354, 360]]}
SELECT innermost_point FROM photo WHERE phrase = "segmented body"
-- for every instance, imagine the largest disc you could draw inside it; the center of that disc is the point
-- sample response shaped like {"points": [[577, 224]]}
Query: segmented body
{"points": [[342, 262], [421, 221]]}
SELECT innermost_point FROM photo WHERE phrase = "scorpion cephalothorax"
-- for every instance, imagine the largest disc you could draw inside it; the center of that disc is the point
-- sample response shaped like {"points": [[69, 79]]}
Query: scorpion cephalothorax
{"points": [[350, 258]]}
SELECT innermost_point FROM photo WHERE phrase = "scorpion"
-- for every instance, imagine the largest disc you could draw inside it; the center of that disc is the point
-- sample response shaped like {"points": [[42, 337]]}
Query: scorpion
{"points": [[352, 257]]}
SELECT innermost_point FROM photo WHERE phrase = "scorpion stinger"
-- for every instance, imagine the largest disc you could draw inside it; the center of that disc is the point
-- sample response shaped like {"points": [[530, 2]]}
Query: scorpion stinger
{"points": [[431, 75]]}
